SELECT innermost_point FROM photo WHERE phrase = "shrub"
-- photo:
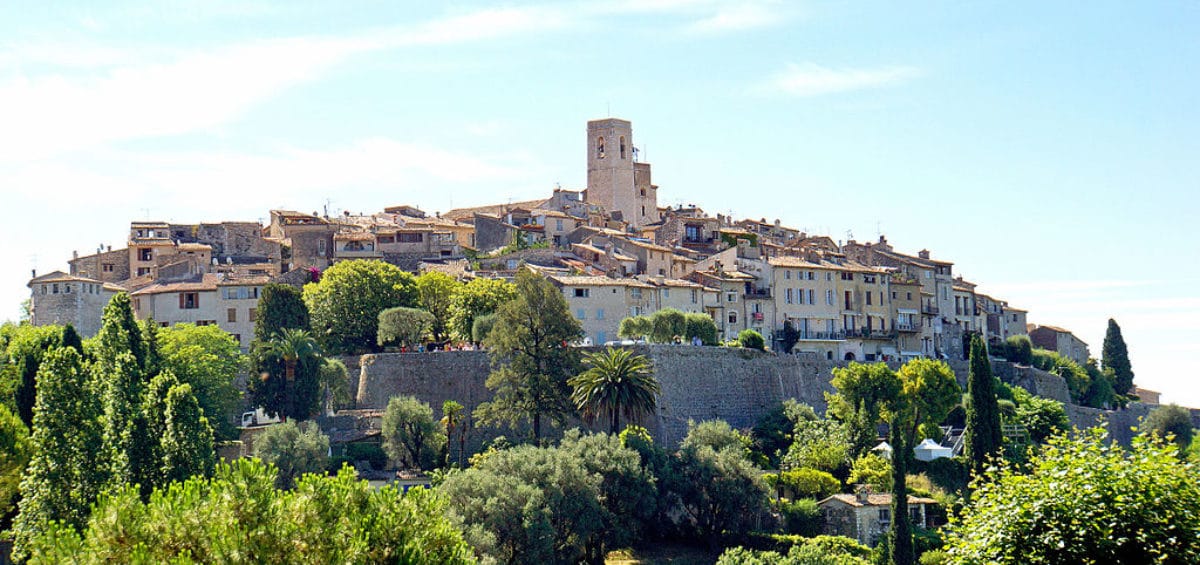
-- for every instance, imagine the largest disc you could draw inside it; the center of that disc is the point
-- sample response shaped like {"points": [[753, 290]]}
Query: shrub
{"points": [[751, 339], [372, 453], [808, 483], [801, 517], [405, 327]]}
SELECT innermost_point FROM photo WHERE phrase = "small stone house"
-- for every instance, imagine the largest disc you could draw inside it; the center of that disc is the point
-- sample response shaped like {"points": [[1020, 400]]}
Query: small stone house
{"points": [[866, 516]]}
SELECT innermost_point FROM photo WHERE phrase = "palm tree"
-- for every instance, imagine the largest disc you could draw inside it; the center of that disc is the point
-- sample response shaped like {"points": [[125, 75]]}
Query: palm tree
{"points": [[454, 422], [617, 382], [291, 345]]}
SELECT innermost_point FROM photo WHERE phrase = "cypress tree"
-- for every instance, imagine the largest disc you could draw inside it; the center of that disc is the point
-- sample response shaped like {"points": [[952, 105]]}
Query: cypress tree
{"points": [[121, 400], [901, 549], [280, 306], [154, 413], [119, 332], [1115, 356], [70, 338], [187, 440], [26, 393], [983, 434], [62, 480]]}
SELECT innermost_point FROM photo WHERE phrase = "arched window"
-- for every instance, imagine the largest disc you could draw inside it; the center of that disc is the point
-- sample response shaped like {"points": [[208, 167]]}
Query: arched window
{"points": [[600, 148], [622, 147]]}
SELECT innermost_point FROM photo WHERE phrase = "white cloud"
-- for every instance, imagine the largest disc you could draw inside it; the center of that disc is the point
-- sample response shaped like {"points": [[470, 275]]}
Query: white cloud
{"points": [[811, 79], [736, 17]]}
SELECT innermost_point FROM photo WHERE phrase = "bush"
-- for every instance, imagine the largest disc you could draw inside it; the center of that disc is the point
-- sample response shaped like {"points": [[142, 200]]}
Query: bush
{"points": [[797, 550], [949, 473], [808, 483], [1171, 420], [751, 339], [372, 453], [872, 469], [801, 517], [404, 327], [1018, 349], [293, 450], [702, 326]]}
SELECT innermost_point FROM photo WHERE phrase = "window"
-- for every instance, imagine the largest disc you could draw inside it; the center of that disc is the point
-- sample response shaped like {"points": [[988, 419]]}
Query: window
{"points": [[885, 515], [231, 315], [600, 148], [788, 296], [410, 237], [1014, 317], [145, 254], [731, 297], [847, 276], [848, 300], [829, 297], [581, 293], [868, 298], [908, 296], [206, 323], [733, 317], [622, 147], [828, 276], [581, 314], [811, 275], [55, 291], [599, 313], [691, 232], [694, 295], [321, 247], [189, 301], [787, 275], [67, 288], [143, 271], [558, 225], [666, 293], [635, 293], [164, 324], [253, 314], [811, 292], [893, 295], [108, 267]]}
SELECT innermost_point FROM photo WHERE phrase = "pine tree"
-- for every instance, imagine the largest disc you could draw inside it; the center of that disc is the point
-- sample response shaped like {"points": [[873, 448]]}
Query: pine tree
{"points": [[983, 434], [1115, 356], [62, 480], [187, 440], [154, 412], [901, 549]]}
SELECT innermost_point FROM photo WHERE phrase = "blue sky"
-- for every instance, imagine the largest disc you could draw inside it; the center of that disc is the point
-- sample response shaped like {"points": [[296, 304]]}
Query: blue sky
{"points": [[1048, 149]]}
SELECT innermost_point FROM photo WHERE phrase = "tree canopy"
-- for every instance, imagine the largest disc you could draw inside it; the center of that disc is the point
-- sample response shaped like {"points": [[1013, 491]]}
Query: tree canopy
{"points": [[405, 327], [435, 291], [293, 450], [1115, 356], [279, 306], [346, 303], [208, 359], [478, 297], [1085, 500], [617, 382], [532, 356], [410, 434]]}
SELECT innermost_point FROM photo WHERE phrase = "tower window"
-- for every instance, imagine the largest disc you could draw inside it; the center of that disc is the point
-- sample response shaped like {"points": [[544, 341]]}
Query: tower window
{"points": [[600, 148], [622, 147]]}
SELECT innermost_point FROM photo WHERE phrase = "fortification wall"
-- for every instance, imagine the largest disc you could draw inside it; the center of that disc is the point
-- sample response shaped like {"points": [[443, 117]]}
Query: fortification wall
{"points": [[698, 383]]}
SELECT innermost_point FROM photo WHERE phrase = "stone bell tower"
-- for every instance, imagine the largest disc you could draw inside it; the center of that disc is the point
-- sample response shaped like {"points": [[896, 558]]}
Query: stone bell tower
{"points": [[616, 181]]}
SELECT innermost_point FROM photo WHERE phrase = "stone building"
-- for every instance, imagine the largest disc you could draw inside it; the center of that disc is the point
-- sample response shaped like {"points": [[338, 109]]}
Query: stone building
{"points": [[1061, 340], [600, 303], [307, 239], [59, 298], [616, 181], [866, 516]]}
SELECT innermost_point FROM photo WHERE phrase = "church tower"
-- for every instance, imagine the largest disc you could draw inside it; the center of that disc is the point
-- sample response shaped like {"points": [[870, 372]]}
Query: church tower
{"points": [[616, 181]]}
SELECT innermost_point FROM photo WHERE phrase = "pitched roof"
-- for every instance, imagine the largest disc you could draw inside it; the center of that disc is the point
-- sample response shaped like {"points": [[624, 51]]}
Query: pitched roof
{"points": [[567, 280], [207, 282], [875, 499], [493, 209]]}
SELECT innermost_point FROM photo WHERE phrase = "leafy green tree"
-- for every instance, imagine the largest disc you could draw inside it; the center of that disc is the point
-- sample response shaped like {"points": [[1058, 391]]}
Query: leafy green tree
{"points": [[751, 339], [532, 356], [1041, 417], [187, 441], [151, 475], [478, 297], [238, 516], [666, 324], [872, 469], [410, 434], [345, 304], [15, 451], [62, 480], [455, 426], [721, 492], [291, 383], [125, 442], [27, 347], [1115, 356], [717, 435], [293, 450], [335, 384], [931, 391], [482, 326], [405, 327], [804, 483], [772, 434], [120, 333], [819, 444], [279, 306], [1019, 349], [435, 291], [701, 326], [1084, 500], [1173, 420], [635, 327], [209, 359], [562, 505], [863, 392], [616, 382], [983, 437]]}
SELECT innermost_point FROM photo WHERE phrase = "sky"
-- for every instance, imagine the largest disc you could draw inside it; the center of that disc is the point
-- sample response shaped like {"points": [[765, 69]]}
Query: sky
{"points": [[1050, 150]]}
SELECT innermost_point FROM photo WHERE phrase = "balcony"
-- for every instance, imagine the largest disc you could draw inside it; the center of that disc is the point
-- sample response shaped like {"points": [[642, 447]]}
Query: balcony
{"points": [[907, 328], [758, 293], [929, 309], [865, 333], [823, 336]]}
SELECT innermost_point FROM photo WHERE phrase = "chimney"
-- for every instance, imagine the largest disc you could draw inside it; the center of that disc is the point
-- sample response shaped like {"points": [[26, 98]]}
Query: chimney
{"points": [[777, 222], [862, 493], [924, 254], [74, 254], [33, 273]]}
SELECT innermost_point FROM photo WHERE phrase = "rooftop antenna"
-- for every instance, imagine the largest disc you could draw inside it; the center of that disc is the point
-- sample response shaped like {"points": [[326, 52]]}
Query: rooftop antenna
{"points": [[326, 207]]}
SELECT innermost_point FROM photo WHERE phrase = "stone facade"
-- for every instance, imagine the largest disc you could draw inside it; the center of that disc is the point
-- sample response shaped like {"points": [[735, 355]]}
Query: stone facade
{"points": [[616, 182], [59, 298]]}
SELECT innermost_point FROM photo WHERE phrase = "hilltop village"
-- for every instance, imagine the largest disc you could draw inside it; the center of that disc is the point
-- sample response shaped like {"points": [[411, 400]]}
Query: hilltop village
{"points": [[610, 247]]}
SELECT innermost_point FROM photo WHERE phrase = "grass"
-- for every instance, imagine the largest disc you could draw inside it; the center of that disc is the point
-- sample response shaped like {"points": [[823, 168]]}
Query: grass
{"points": [[661, 553]]}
